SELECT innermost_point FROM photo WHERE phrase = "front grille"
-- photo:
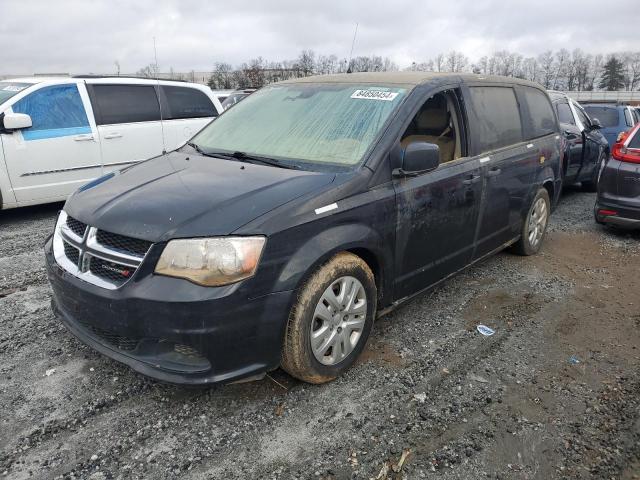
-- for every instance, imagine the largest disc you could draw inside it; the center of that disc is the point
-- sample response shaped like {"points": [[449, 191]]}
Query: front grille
{"points": [[113, 272], [120, 243], [72, 253], [76, 226], [121, 342], [101, 258]]}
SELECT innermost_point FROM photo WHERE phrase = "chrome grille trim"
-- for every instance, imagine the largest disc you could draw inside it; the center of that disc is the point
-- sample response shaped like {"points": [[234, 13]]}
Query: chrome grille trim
{"points": [[89, 248]]}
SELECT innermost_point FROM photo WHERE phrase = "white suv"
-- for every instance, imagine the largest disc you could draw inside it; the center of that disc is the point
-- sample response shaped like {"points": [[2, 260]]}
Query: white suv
{"points": [[57, 134]]}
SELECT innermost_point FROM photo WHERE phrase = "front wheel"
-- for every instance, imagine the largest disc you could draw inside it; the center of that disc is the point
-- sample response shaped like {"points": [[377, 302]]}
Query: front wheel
{"points": [[331, 320], [535, 225]]}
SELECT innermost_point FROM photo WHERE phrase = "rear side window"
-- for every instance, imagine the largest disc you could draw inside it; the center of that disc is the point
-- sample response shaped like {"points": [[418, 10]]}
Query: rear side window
{"points": [[125, 104], [55, 111], [541, 119], [498, 123], [608, 116], [564, 113], [187, 103]]}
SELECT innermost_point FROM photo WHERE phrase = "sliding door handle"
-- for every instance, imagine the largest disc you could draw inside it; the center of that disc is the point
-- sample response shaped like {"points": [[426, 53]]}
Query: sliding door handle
{"points": [[109, 136], [84, 138], [494, 172], [471, 179]]}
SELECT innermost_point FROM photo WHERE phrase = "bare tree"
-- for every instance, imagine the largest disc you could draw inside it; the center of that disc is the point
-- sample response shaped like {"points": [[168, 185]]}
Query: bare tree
{"points": [[221, 77], [150, 71]]}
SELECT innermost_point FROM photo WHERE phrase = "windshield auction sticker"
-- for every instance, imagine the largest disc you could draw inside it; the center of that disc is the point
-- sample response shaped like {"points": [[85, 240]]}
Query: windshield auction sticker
{"points": [[374, 95]]}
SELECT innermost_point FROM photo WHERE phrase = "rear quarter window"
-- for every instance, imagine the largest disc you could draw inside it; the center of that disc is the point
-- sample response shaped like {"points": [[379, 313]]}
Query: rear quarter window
{"points": [[608, 116], [498, 118], [635, 141], [183, 102], [540, 119]]}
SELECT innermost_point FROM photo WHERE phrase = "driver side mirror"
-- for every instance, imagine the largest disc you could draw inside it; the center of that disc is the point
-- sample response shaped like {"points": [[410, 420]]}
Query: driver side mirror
{"points": [[595, 124], [418, 158], [16, 121]]}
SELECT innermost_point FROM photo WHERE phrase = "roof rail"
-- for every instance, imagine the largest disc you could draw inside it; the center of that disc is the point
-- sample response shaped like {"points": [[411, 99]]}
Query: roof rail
{"points": [[137, 77]]}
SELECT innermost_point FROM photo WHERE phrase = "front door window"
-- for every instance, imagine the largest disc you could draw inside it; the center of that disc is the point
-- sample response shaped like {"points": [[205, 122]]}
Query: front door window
{"points": [[55, 111]]}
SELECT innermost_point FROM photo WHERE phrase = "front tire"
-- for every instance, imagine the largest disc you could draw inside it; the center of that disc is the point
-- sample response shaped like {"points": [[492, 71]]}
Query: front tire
{"points": [[331, 320], [535, 224]]}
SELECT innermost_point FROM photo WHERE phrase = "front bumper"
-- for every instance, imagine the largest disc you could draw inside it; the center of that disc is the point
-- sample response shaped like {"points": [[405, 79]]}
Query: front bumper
{"points": [[625, 217], [172, 330]]}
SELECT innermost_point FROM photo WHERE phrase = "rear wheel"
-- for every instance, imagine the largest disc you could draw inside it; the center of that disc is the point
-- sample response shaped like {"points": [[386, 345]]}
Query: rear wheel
{"points": [[535, 225], [330, 323]]}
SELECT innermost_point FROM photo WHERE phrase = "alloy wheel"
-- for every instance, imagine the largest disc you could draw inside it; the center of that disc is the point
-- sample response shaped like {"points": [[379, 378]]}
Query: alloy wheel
{"points": [[537, 221]]}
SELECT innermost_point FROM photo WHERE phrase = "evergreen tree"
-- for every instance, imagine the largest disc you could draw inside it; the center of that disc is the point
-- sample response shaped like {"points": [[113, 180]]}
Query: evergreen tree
{"points": [[612, 74]]}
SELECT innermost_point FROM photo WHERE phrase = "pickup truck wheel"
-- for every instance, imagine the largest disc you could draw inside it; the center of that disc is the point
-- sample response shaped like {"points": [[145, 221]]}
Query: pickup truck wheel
{"points": [[535, 225], [331, 320]]}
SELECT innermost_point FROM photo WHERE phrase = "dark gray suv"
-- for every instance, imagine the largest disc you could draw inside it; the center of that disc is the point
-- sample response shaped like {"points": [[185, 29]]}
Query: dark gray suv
{"points": [[618, 201]]}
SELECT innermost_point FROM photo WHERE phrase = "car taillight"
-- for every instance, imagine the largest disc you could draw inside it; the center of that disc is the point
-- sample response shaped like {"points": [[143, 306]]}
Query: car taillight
{"points": [[623, 153], [607, 213], [620, 152]]}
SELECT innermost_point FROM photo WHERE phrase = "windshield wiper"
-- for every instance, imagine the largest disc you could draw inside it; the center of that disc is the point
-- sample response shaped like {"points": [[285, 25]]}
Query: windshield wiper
{"points": [[246, 157]]}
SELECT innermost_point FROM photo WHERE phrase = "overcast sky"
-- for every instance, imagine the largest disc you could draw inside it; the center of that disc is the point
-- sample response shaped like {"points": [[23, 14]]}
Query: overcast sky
{"points": [[38, 36]]}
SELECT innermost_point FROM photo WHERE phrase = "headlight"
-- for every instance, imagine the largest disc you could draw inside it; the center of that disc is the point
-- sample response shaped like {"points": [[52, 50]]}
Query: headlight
{"points": [[211, 261]]}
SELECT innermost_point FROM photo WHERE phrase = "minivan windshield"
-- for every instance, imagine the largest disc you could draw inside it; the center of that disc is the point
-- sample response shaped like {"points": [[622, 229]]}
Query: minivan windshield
{"points": [[324, 124], [9, 89]]}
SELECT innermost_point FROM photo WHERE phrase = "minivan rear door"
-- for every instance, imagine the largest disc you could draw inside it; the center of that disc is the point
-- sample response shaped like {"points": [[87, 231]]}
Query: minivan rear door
{"points": [[185, 111], [128, 120], [508, 164]]}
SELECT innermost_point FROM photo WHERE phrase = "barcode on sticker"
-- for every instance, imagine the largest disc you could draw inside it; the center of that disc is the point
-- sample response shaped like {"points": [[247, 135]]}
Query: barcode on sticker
{"points": [[374, 95]]}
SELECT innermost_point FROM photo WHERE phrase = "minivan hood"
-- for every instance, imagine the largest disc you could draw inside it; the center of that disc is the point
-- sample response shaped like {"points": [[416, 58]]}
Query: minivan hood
{"points": [[180, 195]]}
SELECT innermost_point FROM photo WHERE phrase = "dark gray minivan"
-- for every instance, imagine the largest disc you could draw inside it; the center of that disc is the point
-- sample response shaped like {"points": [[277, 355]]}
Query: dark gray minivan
{"points": [[280, 232]]}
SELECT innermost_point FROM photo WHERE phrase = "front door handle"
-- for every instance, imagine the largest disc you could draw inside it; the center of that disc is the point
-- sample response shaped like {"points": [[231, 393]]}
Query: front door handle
{"points": [[471, 179], [494, 172], [109, 136], [84, 138]]}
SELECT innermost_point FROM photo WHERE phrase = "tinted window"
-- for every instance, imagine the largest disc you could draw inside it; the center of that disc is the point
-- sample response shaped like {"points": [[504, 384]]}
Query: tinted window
{"points": [[55, 111], [541, 119], [498, 117], [125, 104], [564, 113], [187, 103], [608, 116]]}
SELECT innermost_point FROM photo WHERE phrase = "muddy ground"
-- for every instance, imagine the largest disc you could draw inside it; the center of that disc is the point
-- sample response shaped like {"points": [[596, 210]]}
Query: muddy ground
{"points": [[555, 393]]}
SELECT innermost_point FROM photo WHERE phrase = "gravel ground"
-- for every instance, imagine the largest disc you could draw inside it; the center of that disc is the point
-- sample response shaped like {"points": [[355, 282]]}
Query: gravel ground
{"points": [[555, 393]]}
